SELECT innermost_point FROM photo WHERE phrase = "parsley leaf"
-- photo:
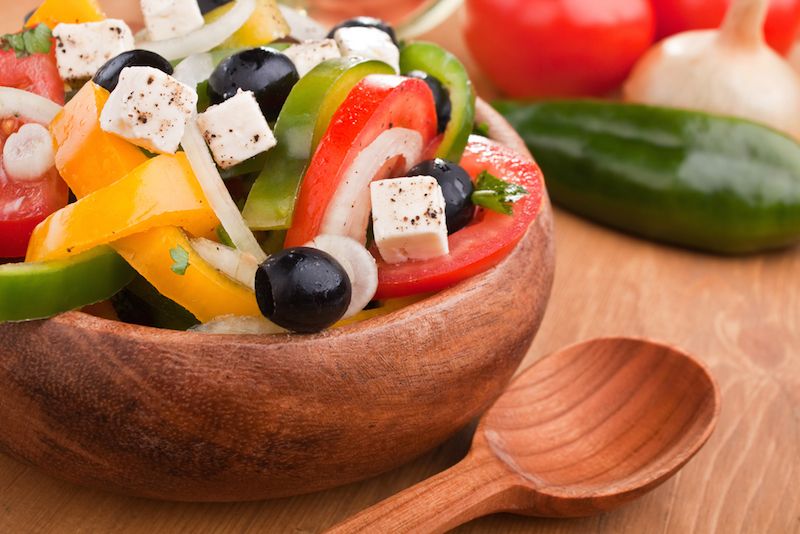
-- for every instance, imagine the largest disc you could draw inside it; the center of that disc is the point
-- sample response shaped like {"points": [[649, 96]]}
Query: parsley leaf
{"points": [[495, 194], [36, 40], [181, 258]]}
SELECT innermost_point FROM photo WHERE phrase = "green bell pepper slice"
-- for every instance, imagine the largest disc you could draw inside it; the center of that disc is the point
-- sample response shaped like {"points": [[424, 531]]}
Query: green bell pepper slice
{"points": [[302, 123], [141, 303], [446, 68], [40, 290]]}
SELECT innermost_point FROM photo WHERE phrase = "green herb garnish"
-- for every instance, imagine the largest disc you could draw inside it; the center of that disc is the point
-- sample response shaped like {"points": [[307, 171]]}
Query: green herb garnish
{"points": [[37, 40], [181, 258], [495, 194]]}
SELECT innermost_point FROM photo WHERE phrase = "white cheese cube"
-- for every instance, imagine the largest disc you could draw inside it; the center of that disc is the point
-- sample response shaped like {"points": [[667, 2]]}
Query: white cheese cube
{"points": [[369, 43], [149, 108], [81, 49], [165, 19], [408, 219], [309, 54], [236, 130]]}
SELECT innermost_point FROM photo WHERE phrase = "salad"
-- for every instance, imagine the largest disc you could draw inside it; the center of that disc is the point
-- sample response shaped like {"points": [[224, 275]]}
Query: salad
{"points": [[239, 168]]}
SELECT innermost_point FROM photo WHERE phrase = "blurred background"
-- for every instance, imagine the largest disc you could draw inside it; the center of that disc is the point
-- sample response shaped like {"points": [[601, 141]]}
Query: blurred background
{"points": [[525, 48]]}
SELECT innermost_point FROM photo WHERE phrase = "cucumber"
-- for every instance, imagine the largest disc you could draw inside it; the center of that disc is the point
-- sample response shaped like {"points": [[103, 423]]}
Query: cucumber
{"points": [[707, 182]]}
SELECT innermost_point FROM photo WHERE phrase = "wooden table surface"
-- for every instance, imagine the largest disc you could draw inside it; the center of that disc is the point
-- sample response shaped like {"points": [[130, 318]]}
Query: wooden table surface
{"points": [[740, 316]]}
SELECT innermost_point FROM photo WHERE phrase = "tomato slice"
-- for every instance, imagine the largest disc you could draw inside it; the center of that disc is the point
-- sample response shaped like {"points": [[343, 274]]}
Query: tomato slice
{"points": [[483, 243], [36, 73], [379, 114], [23, 205]]}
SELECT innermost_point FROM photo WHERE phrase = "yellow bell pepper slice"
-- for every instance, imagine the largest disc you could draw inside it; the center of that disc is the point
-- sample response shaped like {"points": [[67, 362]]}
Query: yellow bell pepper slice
{"points": [[201, 289], [161, 192], [88, 158], [53, 12], [265, 25]]}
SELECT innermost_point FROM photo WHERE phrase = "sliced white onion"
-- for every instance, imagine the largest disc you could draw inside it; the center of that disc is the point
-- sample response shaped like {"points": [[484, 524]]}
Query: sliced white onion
{"points": [[359, 264], [235, 324], [28, 153], [194, 69], [236, 264], [209, 36], [18, 103], [217, 194], [431, 18], [302, 27], [348, 212]]}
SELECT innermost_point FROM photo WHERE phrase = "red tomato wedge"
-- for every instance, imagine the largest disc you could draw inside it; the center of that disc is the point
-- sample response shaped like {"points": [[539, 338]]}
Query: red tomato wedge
{"points": [[483, 243], [382, 129], [36, 73], [23, 205]]}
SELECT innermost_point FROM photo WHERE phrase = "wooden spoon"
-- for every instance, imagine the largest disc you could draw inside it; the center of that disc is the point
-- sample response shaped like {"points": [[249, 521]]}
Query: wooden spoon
{"points": [[582, 431]]}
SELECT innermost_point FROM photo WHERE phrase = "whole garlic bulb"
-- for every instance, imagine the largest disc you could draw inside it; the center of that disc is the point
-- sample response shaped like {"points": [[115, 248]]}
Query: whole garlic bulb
{"points": [[730, 71]]}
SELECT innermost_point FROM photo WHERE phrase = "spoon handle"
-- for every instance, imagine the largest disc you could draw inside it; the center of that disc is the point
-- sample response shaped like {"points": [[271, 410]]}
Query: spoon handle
{"points": [[473, 488]]}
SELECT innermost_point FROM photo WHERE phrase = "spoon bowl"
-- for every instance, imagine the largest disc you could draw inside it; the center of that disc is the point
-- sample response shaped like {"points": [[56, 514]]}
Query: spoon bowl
{"points": [[582, 431], [599, 423]]}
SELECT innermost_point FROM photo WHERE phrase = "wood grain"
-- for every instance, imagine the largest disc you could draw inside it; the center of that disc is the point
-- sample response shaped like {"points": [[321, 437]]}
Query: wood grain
{"points": [[581, 431], [194, 417], [741, 316]]}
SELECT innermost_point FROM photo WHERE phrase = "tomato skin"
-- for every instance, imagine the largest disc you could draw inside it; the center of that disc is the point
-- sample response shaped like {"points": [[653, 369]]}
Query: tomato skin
{"points": [[675, 16], [35, 201], [37, 73], [482, 244], [546, 48], [377, 103], [25, 205]]}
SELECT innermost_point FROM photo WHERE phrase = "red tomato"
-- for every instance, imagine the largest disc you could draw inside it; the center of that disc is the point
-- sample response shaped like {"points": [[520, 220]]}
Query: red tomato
{"points": [[545, 48], [483, 243], [37, 73], [378, 103], [23, 205], [675, 16]]}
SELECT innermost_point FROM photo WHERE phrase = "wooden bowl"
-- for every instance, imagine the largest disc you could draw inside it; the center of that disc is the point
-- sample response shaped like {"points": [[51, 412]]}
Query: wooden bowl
{"points": [[193, 417]]}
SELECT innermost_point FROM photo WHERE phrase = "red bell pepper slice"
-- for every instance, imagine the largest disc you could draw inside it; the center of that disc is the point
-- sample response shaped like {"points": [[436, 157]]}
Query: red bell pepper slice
{"points": [[376, 105], [482, 244]]}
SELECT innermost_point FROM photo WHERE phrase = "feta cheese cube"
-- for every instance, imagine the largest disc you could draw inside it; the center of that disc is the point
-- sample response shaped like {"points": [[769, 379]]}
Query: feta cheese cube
{"points": [[369, 43], [81, 49], [236, 130], [408, 219], [166, 19], [149, 108], [309, 54]]}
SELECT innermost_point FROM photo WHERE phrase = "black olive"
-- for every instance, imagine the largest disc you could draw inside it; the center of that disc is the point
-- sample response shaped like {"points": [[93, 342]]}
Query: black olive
{"points": [[440, 95], [366, 22], [457, 188], [267, 73], [303, 289], [107, 76], [211, 5]]}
